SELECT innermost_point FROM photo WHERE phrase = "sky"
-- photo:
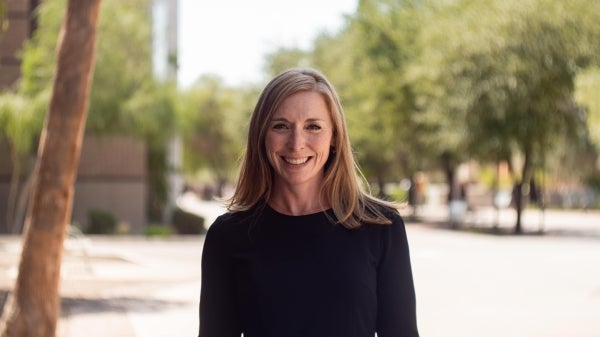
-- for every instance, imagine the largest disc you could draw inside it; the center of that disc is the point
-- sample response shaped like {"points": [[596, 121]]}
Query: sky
{"points": [[230, 38]]}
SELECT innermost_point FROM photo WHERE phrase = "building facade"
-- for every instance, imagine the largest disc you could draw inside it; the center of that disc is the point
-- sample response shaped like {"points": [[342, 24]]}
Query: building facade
{"points": [[21, 23]]}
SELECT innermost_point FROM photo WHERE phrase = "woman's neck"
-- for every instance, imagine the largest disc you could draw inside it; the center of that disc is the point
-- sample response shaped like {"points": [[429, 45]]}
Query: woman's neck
{"points": [[297, 201]]}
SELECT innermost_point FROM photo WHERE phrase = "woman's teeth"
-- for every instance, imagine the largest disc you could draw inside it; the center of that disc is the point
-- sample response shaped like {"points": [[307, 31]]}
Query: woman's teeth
{"points": [[296, 161]]}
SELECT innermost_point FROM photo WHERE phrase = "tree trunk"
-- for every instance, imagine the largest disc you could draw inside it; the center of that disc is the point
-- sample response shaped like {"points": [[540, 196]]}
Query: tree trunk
{"points": [[33, 309], [449, 167], [381, 186], [22, 203], [518, 196], [13, 191], [518, 192]]}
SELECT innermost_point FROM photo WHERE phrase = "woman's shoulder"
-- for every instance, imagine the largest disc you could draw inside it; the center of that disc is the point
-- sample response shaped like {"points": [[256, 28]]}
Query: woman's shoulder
{"points": [[383, 209], [230, 221]]}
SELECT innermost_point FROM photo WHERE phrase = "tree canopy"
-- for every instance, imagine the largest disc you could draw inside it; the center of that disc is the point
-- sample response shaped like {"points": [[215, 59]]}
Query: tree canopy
{"points": [[425, 85]]}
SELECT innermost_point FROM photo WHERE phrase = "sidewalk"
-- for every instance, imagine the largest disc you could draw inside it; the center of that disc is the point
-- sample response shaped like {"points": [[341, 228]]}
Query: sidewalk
{"points": [[122, 286], [139, 287], [550, 222]]}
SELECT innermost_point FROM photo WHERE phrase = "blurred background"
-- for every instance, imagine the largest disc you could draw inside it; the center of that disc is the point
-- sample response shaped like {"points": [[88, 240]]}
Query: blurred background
{"points": [[480, 116], [445, 100]]}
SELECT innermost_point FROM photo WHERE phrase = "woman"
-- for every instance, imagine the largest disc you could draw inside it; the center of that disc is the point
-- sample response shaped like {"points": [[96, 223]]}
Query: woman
{"points": [[303, 251]]}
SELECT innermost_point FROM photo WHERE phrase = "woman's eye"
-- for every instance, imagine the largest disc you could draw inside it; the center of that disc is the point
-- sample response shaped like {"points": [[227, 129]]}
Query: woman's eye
{"points": [[279, 126], [314, 127]]}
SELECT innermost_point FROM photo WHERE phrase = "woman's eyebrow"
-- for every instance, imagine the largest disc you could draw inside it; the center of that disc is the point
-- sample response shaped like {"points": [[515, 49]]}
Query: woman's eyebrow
{"points": [[283, 119]]}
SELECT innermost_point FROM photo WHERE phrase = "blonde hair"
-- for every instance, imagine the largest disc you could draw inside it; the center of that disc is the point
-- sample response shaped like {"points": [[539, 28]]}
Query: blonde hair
{"points": [[342, 185]]}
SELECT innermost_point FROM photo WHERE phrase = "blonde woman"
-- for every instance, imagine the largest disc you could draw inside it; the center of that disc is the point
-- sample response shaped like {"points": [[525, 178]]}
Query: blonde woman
{"points": [[303, 250]]}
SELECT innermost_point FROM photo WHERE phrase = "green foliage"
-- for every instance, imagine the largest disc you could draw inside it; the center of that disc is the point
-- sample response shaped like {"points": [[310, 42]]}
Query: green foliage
{"points": [[3, 23], [20, 125], [385, 33], [21, 121], [398, 194], [593, 181], [506, 71], [125, 99], [367, 61], [285, 58], [422, 83], [101, 222], [158, 231], [429, 82], [587, 89], [213, 120], [124, 73], [187, 223], [509, 77], [38, 55]]}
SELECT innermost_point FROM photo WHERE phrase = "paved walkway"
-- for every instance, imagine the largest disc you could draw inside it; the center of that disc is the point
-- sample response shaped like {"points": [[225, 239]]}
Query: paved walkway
{"points": [[468, 284], [122, 286]]}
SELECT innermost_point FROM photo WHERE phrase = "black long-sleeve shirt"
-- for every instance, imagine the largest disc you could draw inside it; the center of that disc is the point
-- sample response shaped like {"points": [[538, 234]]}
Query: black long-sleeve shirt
{"points": [[274, 275]]}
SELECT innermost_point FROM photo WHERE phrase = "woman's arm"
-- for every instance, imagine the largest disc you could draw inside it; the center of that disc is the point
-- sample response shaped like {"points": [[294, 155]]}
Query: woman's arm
{"points": [[218, 312], [396, 314]]}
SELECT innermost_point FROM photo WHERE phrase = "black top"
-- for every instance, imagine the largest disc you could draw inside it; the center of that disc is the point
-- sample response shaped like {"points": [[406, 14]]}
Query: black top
{"points": [[274, 275]]}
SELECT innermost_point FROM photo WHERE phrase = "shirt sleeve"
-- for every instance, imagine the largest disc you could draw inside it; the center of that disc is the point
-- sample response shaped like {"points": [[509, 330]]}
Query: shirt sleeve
{"points": [[396, 303], [218, 315]]}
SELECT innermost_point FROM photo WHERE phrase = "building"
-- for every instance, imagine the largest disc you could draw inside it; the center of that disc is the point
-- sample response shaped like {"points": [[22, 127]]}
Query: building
{"points": [[21, 25]]}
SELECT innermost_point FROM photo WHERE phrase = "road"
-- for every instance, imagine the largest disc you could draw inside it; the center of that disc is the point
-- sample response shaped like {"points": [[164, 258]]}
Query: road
{"points": [[469, 283]]}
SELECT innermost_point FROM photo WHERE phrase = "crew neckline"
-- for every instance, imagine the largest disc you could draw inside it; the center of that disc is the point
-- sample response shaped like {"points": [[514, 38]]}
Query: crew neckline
{"points": [[276, 212]]}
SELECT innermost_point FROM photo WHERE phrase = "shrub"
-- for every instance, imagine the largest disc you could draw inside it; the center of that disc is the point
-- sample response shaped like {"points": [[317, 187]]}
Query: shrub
{"points": [[187, 223], [158, 230], [101, 222]]}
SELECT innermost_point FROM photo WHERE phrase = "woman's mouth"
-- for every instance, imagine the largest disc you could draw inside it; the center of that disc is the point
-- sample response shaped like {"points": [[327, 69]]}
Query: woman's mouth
{"points": [[296, 161]]}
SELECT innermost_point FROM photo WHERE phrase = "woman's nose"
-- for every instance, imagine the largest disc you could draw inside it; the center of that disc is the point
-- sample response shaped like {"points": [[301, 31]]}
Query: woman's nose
{"points": [[296, 140]]}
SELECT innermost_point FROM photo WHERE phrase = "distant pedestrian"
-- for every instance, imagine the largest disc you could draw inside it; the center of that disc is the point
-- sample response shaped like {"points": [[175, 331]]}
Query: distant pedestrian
{"points": [[303, 251]]}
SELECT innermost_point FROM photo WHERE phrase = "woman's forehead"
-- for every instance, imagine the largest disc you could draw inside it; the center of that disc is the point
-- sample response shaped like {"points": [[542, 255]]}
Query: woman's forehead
{"points": [[308, 105]]}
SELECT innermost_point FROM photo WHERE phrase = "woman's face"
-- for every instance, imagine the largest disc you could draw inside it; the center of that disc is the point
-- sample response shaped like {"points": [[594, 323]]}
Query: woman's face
{"points": [[298, 140]]}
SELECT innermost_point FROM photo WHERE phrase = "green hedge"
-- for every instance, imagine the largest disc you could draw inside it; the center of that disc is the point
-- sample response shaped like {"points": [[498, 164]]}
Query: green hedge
{"points": [[187, 223], [101, 222]]}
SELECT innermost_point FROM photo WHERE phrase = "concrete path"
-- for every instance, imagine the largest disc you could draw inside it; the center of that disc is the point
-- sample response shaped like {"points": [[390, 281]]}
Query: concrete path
{"points": [[123, 286]]}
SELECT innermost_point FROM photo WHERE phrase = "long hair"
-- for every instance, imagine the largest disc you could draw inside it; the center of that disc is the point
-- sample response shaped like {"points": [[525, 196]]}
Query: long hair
{"points": [[342, 185]]}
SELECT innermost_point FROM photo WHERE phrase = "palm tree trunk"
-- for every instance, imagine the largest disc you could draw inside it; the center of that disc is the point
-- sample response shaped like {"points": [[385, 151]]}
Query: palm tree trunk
{"points": [[33, 309]]}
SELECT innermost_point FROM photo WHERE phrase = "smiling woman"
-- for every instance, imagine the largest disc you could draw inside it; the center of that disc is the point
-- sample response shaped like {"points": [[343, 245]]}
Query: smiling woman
{"points": [[298, 143], [303, 251], [229, 38]]}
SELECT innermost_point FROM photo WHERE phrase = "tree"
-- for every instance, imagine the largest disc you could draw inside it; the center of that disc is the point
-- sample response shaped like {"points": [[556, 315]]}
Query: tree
{"points": [[33, 308], [509, 78], [20, 123], [211, 118], [150, 114], [368, 61], [587, 88], [127, 99], [284, 58]]}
